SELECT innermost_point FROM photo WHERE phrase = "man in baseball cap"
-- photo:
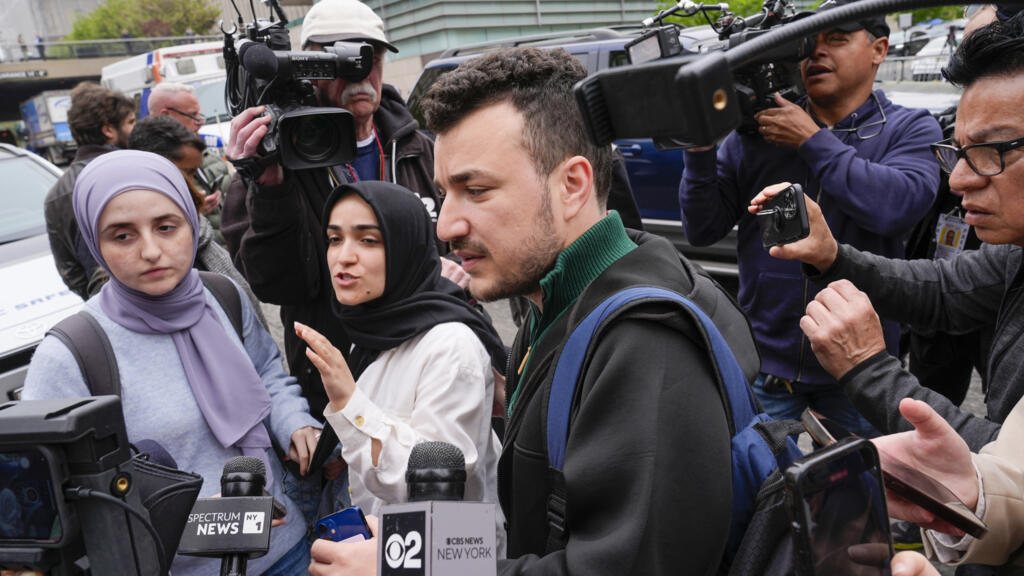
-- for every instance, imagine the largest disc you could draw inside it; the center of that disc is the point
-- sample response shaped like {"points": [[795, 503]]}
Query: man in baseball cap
{"points": [[875, 25]]}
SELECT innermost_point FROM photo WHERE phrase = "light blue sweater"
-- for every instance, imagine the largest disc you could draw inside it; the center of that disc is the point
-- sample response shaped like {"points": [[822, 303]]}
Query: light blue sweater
{"points": [[159, 405]]}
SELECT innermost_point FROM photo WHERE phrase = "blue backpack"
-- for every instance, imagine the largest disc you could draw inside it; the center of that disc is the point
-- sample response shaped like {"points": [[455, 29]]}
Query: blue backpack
{"points": [[762, 448]]}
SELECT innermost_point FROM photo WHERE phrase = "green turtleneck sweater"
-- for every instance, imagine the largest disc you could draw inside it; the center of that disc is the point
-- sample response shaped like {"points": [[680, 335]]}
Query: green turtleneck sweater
{"points": [[575, 268]]}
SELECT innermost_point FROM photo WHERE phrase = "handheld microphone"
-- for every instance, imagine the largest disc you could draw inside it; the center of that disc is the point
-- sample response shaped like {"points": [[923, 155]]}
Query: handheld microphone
{"points": [[436, 533], [235, 526]]}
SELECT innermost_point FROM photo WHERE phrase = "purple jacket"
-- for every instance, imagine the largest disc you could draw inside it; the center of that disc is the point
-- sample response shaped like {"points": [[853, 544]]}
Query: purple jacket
{"points": [[872, 192]]}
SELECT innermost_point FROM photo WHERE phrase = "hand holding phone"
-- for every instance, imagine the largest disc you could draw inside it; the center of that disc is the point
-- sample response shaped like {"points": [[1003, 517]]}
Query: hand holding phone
{"points": [[348, 525], [783, 218], [837, 503], [903, 480]]}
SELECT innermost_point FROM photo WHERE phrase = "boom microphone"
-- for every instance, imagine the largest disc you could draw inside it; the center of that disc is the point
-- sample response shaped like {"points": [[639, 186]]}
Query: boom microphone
{"points": [[258, 59], [436, 533]]}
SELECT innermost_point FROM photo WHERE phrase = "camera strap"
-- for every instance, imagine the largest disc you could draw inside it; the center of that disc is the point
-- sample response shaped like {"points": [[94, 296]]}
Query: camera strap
{"points": [[252, 167]]}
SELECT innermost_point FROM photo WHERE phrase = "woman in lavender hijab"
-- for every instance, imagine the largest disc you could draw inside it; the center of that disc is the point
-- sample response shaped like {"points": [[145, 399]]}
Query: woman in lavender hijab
{"points": [[188, 382]]}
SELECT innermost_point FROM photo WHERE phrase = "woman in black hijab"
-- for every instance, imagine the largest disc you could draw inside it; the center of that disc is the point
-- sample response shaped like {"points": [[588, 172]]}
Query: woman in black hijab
{"points": [[421, 364]]}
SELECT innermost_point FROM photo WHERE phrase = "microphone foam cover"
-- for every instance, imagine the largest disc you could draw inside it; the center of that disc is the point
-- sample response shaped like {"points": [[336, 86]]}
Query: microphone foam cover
{"points": [[427, 455], [259, 60], [247, 464], [157, 453]]}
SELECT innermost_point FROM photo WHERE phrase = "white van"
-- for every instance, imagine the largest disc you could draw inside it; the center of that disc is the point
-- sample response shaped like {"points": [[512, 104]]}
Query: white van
{"points": [[201, 65]]}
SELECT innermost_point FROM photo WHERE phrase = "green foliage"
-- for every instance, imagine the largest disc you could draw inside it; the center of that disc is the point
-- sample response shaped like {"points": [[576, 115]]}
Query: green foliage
{"points": [[144, 19], [748, 7], [944, 12], [741, 7]]}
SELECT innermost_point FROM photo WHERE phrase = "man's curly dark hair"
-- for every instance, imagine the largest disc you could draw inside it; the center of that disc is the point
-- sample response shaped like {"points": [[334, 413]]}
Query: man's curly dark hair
{"points": [[92, 108], [994, 50], [538, 83]]}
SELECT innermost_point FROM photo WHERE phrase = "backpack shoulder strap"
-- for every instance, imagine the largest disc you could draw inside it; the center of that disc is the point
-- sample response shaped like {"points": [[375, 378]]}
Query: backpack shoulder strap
{"points": [[88, 343], [740, 399], [227, 296]]}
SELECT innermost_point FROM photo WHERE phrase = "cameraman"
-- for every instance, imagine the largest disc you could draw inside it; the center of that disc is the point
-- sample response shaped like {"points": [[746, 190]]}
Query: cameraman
{"points": [[863, 159], [272, 225]]}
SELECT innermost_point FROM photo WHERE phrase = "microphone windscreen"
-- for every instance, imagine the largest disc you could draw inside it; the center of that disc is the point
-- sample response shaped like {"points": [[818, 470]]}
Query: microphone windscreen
{"points": [[247, 464], [427, 455], [258, 59], [157, 453]]}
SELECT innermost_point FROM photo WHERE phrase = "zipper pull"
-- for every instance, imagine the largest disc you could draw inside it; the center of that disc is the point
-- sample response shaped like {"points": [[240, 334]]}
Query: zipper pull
{"points": [[523, 363]]}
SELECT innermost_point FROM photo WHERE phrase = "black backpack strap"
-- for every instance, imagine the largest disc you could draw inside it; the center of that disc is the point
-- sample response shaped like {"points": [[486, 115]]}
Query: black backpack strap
{"points": [[88, 343], [224, 290]]}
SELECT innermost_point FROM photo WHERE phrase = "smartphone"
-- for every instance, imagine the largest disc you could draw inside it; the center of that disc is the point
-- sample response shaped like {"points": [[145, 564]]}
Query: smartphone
{"points": [[344, 526], [837, 505], [903, 480], [783, 218]]}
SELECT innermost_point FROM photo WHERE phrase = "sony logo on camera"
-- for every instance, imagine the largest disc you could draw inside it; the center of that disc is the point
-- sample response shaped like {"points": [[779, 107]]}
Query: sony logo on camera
{"points": [[437, 537]]}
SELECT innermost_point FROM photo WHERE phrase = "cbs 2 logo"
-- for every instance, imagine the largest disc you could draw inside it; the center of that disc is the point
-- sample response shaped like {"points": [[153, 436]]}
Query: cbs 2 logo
{"points": [[402, 552]]}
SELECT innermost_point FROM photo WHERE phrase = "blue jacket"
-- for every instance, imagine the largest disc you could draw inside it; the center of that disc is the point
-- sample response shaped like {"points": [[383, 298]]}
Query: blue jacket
{"points": [[871, 191]]}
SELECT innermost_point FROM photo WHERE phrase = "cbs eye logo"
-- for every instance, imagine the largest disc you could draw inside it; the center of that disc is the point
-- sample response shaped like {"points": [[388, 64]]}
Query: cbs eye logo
{"points": [[401, 552]]}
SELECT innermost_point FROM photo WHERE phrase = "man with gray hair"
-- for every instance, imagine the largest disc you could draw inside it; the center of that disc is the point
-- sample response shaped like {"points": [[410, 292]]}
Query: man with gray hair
{"points": [[179, 101]]}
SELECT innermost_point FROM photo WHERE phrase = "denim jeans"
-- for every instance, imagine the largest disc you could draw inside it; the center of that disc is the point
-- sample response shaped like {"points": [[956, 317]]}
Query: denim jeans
{"points": [[295, 562], [828, 400]]}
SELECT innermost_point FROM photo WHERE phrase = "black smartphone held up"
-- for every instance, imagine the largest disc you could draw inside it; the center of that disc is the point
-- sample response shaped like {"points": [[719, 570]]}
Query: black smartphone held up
{"points": [[783, 218], [903, 480], [837, 504], [345, 525]]}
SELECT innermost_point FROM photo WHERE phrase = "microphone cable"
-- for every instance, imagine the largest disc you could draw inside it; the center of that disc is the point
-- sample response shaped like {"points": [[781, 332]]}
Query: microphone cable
{"points": [[73, 493]]}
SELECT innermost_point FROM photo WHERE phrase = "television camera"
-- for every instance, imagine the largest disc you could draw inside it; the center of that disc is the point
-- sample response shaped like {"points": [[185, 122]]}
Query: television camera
{"points": [[262, 70], [696, 99], [73, 499]]}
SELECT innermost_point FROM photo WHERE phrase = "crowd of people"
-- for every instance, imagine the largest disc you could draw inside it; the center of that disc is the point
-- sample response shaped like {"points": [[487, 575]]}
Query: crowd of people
{"points": [[378, 266]]}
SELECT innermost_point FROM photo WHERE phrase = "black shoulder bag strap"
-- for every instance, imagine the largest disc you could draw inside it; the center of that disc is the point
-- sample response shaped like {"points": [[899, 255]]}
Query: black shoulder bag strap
{"points": [[88, 343], [226, 294]]}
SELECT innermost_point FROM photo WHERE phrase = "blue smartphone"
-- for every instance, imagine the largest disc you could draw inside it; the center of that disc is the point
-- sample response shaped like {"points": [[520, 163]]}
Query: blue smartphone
{"points": [[344, 526]]}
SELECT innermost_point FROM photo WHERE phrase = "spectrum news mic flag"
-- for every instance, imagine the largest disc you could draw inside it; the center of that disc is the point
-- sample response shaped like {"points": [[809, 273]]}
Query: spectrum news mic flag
{"points": [[436, 533], [236, 525]]}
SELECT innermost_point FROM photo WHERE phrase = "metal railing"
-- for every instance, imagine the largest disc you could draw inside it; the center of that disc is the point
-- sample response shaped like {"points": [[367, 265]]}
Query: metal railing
{"points": [[912, 68], [94, 48]]}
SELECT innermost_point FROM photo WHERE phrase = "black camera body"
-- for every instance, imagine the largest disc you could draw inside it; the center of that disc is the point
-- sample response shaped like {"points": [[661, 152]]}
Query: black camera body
{"points": [[691, 99], [784, 218], [263, 71], [64, 464]]}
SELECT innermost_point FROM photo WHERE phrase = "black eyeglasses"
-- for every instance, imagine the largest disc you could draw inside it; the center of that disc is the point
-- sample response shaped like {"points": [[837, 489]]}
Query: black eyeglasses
{"points": [[197, 117], [869, 130], [986, 158]]}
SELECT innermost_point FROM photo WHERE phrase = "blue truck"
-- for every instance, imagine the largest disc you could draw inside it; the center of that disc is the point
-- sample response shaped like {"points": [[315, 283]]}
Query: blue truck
{"points": [[46, 125]]}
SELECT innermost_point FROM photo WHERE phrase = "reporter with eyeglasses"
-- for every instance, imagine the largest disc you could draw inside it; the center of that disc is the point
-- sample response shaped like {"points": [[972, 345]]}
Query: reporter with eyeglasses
{"points": [[863, 159], [982, 288]]}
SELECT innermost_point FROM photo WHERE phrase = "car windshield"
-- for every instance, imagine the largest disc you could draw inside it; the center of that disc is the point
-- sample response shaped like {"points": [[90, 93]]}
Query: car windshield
{"points": [[211, 100], [26, 183]]}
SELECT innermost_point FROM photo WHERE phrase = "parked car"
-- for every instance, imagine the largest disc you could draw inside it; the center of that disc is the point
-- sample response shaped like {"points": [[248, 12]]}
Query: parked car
{"points": [[932, 58], [34, 297]]}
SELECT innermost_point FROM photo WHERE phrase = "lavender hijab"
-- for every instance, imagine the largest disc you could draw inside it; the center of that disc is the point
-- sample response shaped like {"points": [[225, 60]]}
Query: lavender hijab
{"points": [[229, 392]]}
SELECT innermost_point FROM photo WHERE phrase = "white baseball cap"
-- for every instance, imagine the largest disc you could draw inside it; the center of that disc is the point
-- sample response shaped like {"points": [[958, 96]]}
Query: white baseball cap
{"points": [[329, 21]]}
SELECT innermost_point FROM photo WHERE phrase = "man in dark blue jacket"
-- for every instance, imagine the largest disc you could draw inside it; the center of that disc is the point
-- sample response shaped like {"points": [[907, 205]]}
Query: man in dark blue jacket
{"points": [[862, 158]]}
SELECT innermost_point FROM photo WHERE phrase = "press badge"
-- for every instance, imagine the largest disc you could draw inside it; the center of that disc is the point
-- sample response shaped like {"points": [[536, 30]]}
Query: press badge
{"points": [[950, 235]]}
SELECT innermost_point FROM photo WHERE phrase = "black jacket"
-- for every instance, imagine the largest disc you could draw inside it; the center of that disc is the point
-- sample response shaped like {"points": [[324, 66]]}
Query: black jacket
{"points": [[647, 464], [276, 237], [76, 266]]}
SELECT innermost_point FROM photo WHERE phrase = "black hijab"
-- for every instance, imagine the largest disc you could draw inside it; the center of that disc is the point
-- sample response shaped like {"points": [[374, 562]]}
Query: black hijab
{"points": [[416, 297]]}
